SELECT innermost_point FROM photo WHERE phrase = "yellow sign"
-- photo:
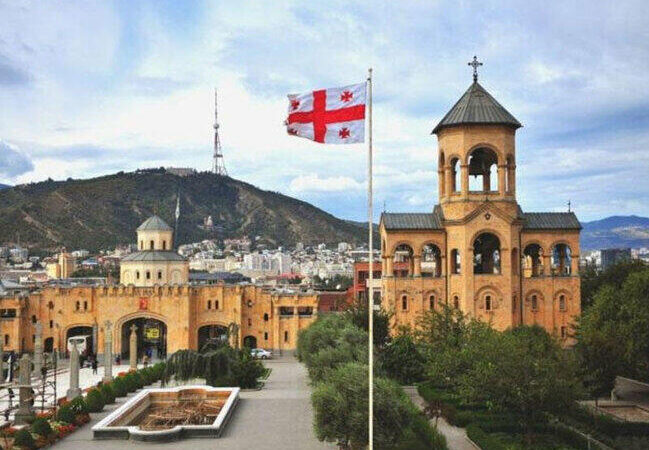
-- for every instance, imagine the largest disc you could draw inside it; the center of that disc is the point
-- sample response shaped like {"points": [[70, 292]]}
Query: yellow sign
{"points": [[152, 333]]}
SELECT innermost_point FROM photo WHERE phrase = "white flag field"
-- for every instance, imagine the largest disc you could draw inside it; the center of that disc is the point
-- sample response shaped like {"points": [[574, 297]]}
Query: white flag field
{"points": [[329, 116]]}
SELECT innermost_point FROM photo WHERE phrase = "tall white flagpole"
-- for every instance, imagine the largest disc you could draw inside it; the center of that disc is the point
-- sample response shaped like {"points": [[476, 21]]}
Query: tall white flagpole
{"points": [[370, 291]]}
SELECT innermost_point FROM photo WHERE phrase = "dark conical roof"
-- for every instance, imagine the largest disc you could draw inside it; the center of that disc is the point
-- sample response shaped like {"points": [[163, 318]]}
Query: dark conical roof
{"points": [[154, 223], [477, 107]]}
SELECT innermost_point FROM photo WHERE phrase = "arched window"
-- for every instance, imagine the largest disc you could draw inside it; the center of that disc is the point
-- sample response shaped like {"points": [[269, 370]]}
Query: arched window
{"points": [[535, 303], [456, 302], [265, 317], [164, 245], [487, 303], [532, 266], [562, 302], [440, 166], [431, 302], [515, 261], [85, 305], [151, 245], [561, 260], [6, 339], [455, 261], [216, 304], [404, 302], [209, 304], [249, 322], [403, 265], [486, 254], [431, 261], [34, 319], [265, 336], [483, 170], [51, 324], [77, 306], [141, 245], [286, 336], [159, 274], [455, 175], [148, 275], [137, 274]]}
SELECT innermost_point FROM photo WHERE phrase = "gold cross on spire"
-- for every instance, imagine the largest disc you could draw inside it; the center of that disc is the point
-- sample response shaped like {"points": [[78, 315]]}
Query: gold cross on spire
{"points": [[475, 64]]}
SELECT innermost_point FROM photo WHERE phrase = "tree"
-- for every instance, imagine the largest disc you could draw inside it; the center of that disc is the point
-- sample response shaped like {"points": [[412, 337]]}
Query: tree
{"points": [[359, 316], [401, 359], [592, 279]]}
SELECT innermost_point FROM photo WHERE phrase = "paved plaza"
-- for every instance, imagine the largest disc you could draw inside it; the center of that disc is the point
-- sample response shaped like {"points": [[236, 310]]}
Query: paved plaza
{"points": [[276, 417]]}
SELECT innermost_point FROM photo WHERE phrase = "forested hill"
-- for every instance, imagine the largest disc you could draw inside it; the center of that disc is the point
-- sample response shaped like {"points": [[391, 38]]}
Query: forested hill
{"points": [[615, 232], [99, 213]]}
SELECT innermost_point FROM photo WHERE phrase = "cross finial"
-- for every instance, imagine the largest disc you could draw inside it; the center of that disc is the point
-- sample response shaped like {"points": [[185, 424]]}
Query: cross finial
{"points": [[569, 204], [475, 64]]}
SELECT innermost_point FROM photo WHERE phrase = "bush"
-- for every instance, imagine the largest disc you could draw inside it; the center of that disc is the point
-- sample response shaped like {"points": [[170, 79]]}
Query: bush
{"points": [[138, 380], [482, 439], [95, 401], [41, 427], [78, 406], [130, 382], [119, 387], [65, 414], [24, 439], [107, 393]]}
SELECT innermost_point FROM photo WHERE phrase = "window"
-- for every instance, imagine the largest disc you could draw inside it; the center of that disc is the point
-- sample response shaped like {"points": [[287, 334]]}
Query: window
{"points": [[265, 317], [487, 303], [164, 245], [148, 275], [85, 305], [6, 339], [483, 170], [77, 306], [431, 302], [563, 332], [456, 302], [216, 304], [137, 274], [249, 322], [455, 175], [141, 245], [265, 336], [404, 302], [535, 303], [151, 245], [34, 319], [562, 302], [159, 274], [486, 254], [209, 304], [51, 324], [455, 261], [286, 336], [33, 338]]}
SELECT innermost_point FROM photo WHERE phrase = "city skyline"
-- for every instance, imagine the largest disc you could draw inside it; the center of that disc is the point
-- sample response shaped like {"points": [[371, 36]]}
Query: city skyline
{"points": [[105, 87]]}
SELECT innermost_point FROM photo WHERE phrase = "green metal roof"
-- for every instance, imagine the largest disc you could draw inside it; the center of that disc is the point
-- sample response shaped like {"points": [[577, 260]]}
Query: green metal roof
{"points": [[413, 221], [154, 223], [153, 255], [551, 221], [477, 107]]}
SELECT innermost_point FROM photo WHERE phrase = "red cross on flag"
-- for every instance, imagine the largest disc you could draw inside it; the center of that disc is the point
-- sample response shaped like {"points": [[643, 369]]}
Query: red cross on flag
{"points": [[328, 116]]}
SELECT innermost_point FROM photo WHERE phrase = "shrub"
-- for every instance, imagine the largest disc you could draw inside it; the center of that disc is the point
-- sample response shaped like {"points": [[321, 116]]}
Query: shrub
{"points": [[483, 440], [24, 439], [138, 380], [41, 427], [95, 401], [119, 387], [65, 414], [78, 406], [130, 383], [107, 393]]}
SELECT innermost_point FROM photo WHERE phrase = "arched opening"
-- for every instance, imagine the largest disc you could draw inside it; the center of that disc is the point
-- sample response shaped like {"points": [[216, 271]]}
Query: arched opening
{"points": [[431, 261], [141, 245], [404, 302], [509, 175], [561, 260], [265, 317], [80, 336], [250, 342], [151, 338], [487, 303], [440, 167], [515, 262], [164, 245], [483, 167], [532, 265], [456, 302], [534, 302], [486, 254], [211, 333], [455, 261], [562, 302], [48, 345], [403, 261], [151, 245], [431, 302], [455, 175]]}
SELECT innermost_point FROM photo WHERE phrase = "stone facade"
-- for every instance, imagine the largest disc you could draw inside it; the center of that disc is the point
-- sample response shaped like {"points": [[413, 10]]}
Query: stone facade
{"points": [[477, 251]]}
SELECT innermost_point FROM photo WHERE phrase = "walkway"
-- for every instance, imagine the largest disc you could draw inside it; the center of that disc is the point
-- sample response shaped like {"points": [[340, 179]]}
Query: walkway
{"points": [[455, 437], [277, 417]]}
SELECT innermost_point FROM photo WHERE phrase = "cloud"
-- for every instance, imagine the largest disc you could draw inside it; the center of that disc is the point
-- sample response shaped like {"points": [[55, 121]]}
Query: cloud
{"points": [[12, 161], [313, 183], [11, 74]]}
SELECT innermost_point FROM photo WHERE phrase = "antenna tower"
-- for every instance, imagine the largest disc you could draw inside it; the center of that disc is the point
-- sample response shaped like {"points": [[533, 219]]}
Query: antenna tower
{"points": [[218, 166]]}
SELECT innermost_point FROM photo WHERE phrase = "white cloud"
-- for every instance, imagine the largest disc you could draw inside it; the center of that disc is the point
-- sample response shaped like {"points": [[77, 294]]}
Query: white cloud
{"points": [[313, 183]]}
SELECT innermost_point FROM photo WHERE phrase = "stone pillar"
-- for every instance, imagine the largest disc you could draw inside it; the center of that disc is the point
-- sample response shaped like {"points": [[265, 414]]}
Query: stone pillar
{"points": [[2, 355], [574, 265], [447, 180], [417, 262], [25, 413], [38, 349], [95, 338], [464, 180], [133, 348], [73, 390], [441, 186], [501, 179], [108, 354], [389, 271]]}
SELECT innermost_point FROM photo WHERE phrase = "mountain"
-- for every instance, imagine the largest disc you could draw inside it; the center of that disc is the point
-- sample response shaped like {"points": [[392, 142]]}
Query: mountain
{"points": [[615, 232], [99, 213], [4, 186]]}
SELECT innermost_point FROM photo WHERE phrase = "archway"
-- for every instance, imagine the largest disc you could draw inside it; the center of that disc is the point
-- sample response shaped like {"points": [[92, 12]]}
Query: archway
{"points": [[48, 345], [250, 342], [431, 261], [483, 166], [561, 260], [208, 333], [84, 342], [151, 338], [486, 254], [403, 261], [532, 266]]}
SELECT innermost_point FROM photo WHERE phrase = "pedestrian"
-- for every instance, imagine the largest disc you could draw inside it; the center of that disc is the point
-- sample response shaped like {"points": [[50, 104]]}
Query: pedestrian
{"points": [[118, 360], [94, 366], [145, 360]]}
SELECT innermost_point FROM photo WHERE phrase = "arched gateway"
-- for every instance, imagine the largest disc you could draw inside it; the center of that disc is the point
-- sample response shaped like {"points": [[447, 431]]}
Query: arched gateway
{"points": [[151, 337]]}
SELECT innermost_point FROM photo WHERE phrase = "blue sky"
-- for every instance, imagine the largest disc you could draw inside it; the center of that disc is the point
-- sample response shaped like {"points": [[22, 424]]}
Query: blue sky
{"points": [[89, 88]]}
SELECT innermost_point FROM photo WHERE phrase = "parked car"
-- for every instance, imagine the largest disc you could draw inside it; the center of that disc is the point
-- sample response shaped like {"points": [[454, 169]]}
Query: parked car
{"points": [[260, 353]]}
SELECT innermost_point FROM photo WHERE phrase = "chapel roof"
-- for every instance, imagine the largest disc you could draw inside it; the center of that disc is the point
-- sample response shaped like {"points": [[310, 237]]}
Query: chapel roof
{"points": [[413, 221], [477, 107], [551, 221], [153, 255], [154, 223]]}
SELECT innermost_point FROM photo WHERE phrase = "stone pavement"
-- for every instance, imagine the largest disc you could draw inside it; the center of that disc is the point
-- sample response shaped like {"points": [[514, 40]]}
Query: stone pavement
{"points": [[278, 417], [456, 438]]}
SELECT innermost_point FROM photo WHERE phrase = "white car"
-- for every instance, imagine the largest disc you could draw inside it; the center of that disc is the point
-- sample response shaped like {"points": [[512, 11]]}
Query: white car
{"points": [[260, 353]]}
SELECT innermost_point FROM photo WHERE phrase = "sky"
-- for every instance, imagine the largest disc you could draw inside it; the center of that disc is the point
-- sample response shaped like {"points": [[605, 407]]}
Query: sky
{"points": [[95, 87]]}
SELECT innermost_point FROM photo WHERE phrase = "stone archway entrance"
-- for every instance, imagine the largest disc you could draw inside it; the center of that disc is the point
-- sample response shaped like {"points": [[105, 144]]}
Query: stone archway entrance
{"points": [[208, 333], [250, 342], [84, 343], [48, 345], [151, 338]]}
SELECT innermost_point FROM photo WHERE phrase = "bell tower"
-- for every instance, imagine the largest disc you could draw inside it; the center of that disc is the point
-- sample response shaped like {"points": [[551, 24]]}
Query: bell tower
{"points": [[476, 153]]}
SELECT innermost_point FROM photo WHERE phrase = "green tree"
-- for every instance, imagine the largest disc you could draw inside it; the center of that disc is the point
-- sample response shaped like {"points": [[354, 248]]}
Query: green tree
{"points": [[359, 316], [401, 359], [592, 279]]}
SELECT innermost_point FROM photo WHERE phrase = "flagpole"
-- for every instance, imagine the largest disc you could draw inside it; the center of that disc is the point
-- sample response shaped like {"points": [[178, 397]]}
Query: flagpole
{"points": [[370, 291]]}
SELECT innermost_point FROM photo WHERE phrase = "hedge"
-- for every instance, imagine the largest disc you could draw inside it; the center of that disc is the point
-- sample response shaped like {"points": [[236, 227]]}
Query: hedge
{"points": [[95, 401], [107, 393], [41, 427], [24, 439], [482, 439], [65, 414], [607, 424]]}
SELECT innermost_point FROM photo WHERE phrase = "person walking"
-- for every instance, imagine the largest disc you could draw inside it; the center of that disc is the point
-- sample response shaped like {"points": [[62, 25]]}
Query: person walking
{"points": [[94, 365]]}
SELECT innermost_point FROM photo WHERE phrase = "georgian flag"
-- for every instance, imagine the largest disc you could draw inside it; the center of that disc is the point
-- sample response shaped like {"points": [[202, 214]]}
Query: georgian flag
{"points": [[328, 116]]}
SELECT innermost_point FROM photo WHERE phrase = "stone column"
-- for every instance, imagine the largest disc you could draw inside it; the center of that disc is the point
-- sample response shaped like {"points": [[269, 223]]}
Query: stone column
{"points": [[389, 270], [464, 171], [108, 354], [25, 413], [501, 179], [38, 349], [2, 355], [95, 338], [133, 348], [74, 391], [417, 265]]}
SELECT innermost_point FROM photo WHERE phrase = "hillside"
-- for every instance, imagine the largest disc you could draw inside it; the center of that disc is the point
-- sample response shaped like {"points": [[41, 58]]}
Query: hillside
{"points": [[101, 212], [614, 232]]}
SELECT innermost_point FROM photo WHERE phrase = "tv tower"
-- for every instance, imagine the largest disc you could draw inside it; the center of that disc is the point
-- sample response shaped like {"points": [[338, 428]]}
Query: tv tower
{"points": [[218, 166]]}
